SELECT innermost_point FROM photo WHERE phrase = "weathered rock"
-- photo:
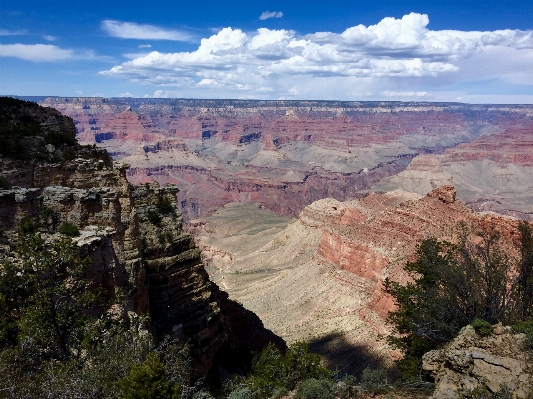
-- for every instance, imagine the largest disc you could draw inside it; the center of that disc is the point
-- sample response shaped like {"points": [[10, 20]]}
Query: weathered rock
{"points": [[137, 245], [472, 362], [445, 194]]}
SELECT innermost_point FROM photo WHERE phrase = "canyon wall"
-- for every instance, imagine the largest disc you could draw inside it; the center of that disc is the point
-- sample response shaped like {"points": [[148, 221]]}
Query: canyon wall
{"points": [[284, 154], [492, 173], [134, 237], [320, 278]]}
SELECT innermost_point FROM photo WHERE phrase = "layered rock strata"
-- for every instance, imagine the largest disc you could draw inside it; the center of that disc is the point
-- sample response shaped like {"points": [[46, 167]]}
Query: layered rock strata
{"points": [[281, 154], [135, 239], [491, 174], [320, 278]]}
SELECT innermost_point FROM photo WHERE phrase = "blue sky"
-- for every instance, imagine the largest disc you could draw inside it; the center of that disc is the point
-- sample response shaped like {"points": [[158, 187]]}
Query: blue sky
{"points": [[477, 51]]}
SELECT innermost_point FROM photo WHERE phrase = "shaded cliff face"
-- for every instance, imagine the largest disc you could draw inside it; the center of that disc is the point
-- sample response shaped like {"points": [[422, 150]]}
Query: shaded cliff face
{"points": [[133, 235], [320, 278], [281, 154]]}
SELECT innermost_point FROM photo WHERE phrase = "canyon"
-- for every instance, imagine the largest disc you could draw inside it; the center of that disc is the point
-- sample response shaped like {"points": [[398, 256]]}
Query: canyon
{"points": [[303, 208], [287, 154], [319, 278], [148, 263]]}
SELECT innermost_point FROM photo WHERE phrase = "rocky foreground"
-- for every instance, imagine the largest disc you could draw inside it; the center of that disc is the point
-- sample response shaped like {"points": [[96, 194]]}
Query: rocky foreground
{"points": [[287, 154], [500, 360]]}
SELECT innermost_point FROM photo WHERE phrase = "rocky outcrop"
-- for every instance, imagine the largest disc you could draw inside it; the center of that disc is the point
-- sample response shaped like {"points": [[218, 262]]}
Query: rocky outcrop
{"points": [[473, 363], [135, 239], [373, 236]]}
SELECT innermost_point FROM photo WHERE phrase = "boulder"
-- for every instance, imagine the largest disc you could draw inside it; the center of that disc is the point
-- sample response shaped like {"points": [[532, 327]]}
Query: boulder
{"points": [[472, 362]]}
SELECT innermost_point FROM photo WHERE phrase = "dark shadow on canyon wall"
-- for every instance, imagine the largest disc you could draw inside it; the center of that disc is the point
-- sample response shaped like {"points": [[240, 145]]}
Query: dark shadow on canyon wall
{"points": [[343, 356], [246, 336]]}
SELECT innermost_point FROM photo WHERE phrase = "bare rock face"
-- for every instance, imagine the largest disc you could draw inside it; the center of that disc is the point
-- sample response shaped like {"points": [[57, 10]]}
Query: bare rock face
{"points": [[372, 237], [320, 277], [491, 173], [135, 239], [471, 362]]}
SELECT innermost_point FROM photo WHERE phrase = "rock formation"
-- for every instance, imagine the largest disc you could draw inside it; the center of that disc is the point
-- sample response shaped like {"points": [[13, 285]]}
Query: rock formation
{"points": [[471, 362], [319, 278], [134, 237], [287, 154], [491, 173]]}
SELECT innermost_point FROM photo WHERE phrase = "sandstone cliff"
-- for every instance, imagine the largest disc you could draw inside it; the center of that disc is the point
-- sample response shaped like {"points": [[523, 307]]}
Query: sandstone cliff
{"points": [[133, 235], [319, 278]]}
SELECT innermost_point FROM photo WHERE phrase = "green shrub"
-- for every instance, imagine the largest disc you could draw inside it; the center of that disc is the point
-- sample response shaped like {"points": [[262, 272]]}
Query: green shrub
{"points": [[69, 229], [241, 393], [454, 283], [49, 219], [203, 394], [345, 387], [164, 206], [315, 389], [525, 327], [58, 138], [68, 154], [482, 327], [154, 217], [147, 381], [3, 237], [374, 380], [274, 374], [29, 226]]}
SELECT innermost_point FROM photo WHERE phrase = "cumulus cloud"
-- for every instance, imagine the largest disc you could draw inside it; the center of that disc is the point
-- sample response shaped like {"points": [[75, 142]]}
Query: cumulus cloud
{"points": [[392, 52], [35, 52], [132, 30], [270, 14]]}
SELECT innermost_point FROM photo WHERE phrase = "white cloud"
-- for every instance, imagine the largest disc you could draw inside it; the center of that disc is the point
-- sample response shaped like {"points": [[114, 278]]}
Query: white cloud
{"points": [[395, 57], [49, 38], [145, 46], [35, 52], [207, 82], [48, 53], [270, 14], [7, 32], [127, 94], [132, 30]]}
